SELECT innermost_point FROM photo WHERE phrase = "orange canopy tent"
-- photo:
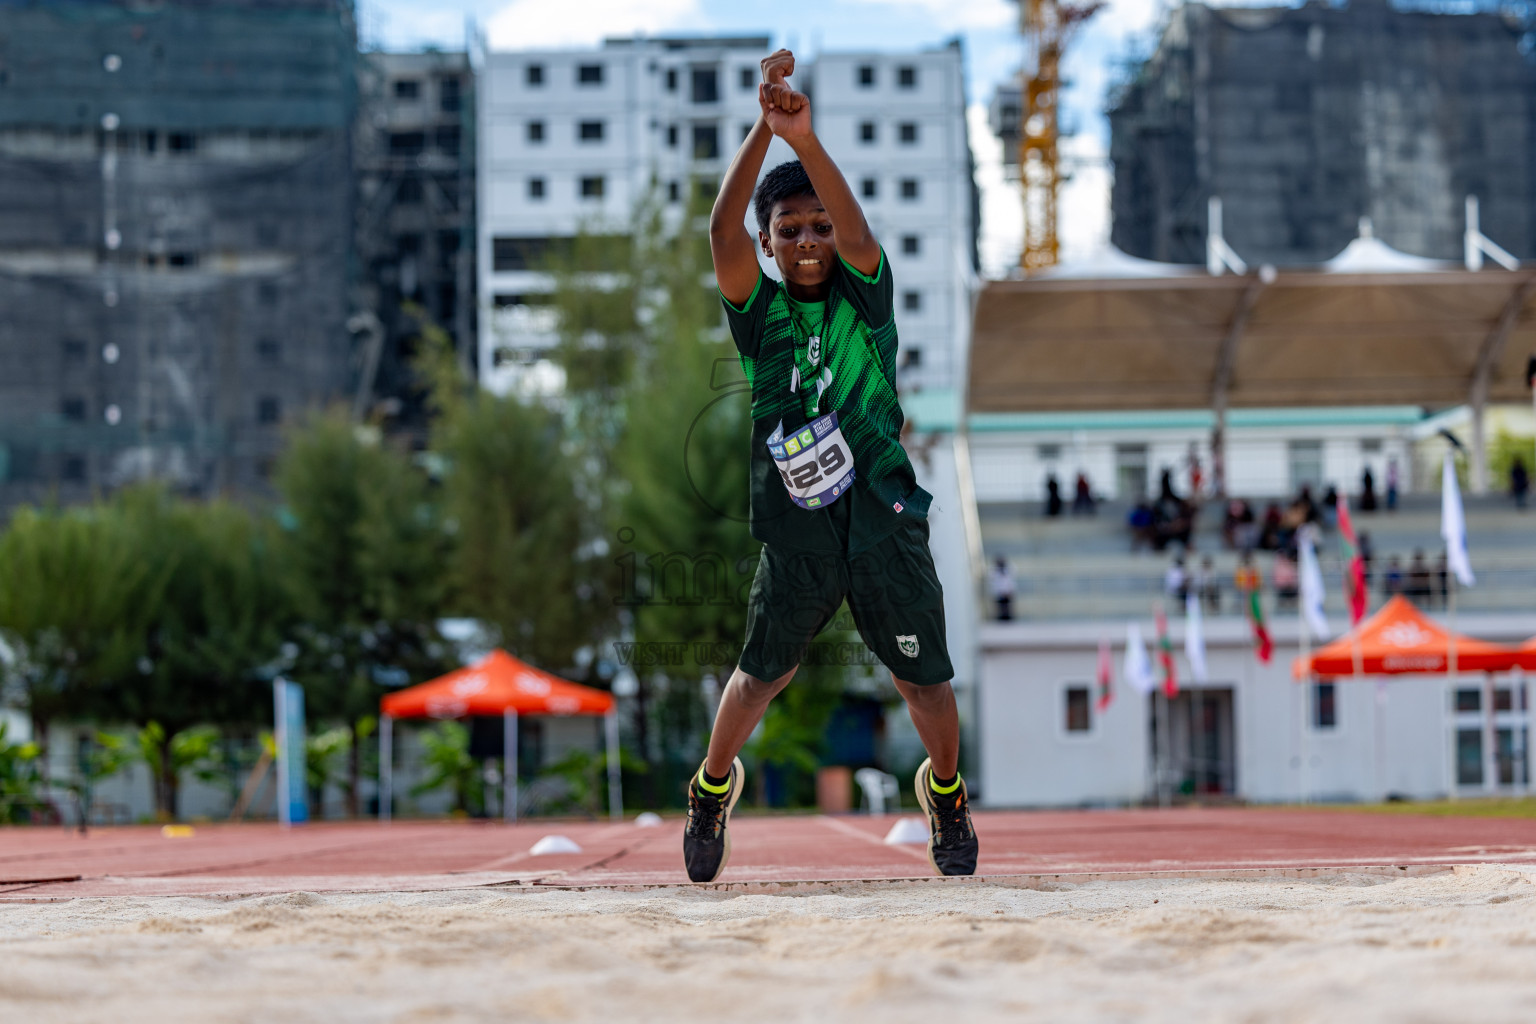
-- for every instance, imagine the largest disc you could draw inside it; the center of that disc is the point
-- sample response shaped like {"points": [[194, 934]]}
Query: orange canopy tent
{"points": [[1399, 640], [1525, 655], [498, 684]]}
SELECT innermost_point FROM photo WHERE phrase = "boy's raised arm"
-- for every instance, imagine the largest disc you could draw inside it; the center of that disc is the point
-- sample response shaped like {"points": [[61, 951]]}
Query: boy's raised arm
{"points": [[731, 247], [789, 115]]}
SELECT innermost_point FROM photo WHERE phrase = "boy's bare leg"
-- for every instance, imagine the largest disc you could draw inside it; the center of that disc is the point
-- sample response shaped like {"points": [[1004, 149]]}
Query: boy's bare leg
{"points": [[937, 719], [741, 707]]}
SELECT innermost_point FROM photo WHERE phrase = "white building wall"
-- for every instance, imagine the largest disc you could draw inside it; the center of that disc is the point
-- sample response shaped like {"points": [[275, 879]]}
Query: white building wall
{"points": [[648, 133], [1398, 743]]}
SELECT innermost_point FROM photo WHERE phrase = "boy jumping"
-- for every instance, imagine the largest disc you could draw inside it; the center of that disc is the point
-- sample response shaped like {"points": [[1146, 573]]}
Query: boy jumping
{"points": [[833, 496]]}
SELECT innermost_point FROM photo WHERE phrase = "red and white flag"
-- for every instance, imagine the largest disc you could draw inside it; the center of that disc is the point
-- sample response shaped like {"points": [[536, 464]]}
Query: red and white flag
{"points": [[1106, 675]]}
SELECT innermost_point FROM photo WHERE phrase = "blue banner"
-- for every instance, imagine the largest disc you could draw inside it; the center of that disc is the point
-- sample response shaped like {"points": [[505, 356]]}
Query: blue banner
{"points": [[292, 787]]}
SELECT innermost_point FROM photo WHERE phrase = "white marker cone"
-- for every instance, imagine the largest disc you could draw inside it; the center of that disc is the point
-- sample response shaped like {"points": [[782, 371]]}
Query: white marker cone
{"points": [[647, 819], [554, 844], [907, 830]]}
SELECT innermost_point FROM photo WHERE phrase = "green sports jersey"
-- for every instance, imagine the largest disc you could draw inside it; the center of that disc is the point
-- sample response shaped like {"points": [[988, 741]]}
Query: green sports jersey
{"points": [[853, 375]]}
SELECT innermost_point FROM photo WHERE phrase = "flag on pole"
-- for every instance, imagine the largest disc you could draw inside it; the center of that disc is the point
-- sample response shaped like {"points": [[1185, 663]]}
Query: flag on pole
{"points": [[1194, 638], [1263, 646], [1165, 653], [1106, 675], [1312, 593], [1138, 667], [1354, 566], [1453, 524]]}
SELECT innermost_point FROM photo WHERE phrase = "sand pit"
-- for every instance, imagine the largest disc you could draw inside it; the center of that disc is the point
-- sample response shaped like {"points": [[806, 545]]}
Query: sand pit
{"points": [[1441, 947]]}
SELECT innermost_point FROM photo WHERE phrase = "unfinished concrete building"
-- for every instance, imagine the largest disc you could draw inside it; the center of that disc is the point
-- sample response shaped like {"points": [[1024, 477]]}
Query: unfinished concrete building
{"points": [[175, 238], [414, 158], [1304, 120]]}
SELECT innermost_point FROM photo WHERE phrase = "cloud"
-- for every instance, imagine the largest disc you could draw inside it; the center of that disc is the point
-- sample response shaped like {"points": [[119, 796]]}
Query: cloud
{"points": [[953, 15], [525, 24]]}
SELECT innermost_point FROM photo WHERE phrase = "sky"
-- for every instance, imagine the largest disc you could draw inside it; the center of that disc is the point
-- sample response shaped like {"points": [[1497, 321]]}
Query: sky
{"points": [[989, 29]]}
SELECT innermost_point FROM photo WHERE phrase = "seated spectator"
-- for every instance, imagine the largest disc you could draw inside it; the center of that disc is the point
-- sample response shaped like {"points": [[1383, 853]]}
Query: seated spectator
{"points": [[1209, 585], [1287, 580], [1052, 496], [1246, 578], [1140, 521], [1392, 582], [1176, 583], [1367, 556], [1417, 586], [1519, 481], [1082, 497], [1269, 530], [1329, 513], [1000, 582]]}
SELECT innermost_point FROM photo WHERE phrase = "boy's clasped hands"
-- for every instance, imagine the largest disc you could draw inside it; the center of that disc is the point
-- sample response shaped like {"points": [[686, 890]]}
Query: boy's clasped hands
{"points": [[787, 112]]}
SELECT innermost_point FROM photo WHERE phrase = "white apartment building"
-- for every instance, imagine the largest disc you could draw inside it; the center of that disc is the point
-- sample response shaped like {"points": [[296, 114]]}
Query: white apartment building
{"points": [[573, 138]]}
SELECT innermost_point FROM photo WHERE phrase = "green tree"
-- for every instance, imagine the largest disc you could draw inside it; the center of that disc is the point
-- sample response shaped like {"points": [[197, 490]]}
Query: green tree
{"points": [[521, 561], [363, 552], [445, 756], [74, 600], [19, 780], [213, 615], [194, 750], [101, 757]]}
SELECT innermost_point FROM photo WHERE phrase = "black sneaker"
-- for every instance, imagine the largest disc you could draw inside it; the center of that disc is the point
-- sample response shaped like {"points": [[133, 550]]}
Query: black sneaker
{"points": [[706, 843], [951, 836]]}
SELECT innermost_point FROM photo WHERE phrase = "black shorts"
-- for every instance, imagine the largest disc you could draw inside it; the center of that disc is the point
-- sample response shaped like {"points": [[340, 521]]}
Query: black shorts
{"points": [[891, 589]]}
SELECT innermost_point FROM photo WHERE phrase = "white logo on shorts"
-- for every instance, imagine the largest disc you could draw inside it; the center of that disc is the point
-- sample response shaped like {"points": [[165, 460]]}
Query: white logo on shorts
{"points": [[907, 645]]}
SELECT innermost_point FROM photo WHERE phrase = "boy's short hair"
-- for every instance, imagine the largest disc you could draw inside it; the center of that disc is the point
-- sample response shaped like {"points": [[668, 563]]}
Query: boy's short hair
{"points": [[783, 182]]}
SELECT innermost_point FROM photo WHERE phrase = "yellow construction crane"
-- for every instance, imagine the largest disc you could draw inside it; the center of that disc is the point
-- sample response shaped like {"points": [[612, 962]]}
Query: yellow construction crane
{"points": [[1046, 25]]}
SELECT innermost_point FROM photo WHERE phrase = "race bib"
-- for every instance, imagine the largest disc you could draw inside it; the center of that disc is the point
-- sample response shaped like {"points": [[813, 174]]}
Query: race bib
{"points": [[815, 462]]}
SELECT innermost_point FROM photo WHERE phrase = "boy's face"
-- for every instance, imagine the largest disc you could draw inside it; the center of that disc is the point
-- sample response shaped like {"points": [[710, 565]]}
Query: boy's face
{"points": [[801, 243]]}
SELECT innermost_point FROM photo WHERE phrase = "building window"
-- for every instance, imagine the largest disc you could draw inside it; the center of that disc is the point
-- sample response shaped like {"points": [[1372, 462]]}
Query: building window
{"points": [[706, 85], [1325, 706], [1130, 471], [407, 143], [914, 357], [1306, 465], [268, 410], [672, 136], [535, 131], [908, 132], [590, 131], [535, 74], [448, 139], [409, 192], [408, 89], [589, 74], [912, 302], [592, 187], [869, 188], [526, 252], [706, 142], [73, 409], [866, 131], [535, 188], [450, 95], [74, 468], [181, 260], [746, 130], [1079, 711], [1469, 699], [74, 350], [1469, 757], [748, 79], [909, 188], [674, 192], [181, 142], [671, 79], [866, 76], [911, 245], [906, 76]]}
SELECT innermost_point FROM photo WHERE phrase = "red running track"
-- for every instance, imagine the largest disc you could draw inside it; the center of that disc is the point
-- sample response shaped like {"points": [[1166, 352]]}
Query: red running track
{"points": [[40, 863]]}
